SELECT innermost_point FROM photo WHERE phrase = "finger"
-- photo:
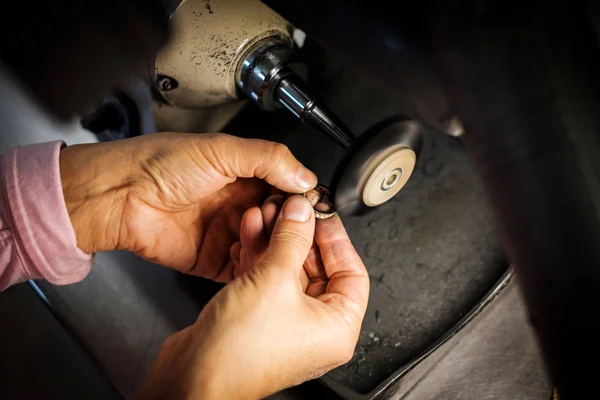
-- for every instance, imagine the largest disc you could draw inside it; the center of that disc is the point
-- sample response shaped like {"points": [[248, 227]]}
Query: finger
{"points": [[292, 236], [314, 265], [348, 278], [316, 289], [234, 254], [247, 158], [315, 272], [213, 257], [252, 230], [337, 252], [274, 190], [252, 238], [270, 210], [304, 281], [227, 274]]}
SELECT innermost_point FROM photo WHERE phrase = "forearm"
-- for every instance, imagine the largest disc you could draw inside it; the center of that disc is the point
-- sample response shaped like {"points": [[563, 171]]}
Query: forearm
{"points": [[36, 236]]}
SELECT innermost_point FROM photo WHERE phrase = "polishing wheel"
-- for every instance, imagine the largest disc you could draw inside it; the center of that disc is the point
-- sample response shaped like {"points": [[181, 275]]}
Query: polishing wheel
{"points": [[377, 166]]}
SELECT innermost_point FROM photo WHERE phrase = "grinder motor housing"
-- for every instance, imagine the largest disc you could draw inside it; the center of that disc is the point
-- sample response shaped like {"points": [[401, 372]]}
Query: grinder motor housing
{"points": [[224, 51]]}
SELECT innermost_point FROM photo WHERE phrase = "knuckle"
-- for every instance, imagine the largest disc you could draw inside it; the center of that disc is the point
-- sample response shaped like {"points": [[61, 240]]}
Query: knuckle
{"points": [[213, 141], [272, 158], [280, 150], [279, 153]]}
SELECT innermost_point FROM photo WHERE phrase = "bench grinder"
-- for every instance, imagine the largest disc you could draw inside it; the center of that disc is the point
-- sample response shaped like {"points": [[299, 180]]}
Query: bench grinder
{"points": [[223, 51]]}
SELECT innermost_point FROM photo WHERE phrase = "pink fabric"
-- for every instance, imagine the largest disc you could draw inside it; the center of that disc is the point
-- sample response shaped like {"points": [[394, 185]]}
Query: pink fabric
{"points": [[37, 239]]}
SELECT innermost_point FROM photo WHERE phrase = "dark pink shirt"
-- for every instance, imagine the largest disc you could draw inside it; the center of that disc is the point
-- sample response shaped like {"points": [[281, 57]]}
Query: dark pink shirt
{"points": [[37, 239]]}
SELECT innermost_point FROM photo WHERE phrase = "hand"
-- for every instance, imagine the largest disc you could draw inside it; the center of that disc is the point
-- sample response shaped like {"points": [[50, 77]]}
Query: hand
{"points": [[173, 199], [270, 328]]}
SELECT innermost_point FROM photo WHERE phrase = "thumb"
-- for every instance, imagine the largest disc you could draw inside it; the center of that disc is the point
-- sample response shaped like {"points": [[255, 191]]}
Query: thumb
{"points": [[255, 158], [292, 235]]}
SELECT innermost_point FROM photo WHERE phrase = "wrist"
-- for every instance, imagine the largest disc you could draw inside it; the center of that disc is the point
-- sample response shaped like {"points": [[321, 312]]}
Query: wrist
{"points": [[94, 182], [216, 381], [188, 367], [221, 369]]}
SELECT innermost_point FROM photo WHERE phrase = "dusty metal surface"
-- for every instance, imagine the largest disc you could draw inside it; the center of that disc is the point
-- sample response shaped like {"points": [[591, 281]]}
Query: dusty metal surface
{"points": [[495, 356], [491, 353], [432, 252], [208, 39]]}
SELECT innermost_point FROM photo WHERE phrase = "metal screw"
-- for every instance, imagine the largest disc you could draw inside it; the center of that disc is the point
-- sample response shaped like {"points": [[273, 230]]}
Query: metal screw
{"points": [[166, 83], [391, 179]]}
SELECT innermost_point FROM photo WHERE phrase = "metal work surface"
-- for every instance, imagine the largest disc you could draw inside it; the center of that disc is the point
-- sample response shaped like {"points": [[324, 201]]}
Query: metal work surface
{"points": [[432, 252], [494, 356]]}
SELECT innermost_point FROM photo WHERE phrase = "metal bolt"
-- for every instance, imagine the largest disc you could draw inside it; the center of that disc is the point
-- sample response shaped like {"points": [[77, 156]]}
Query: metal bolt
{"points": [[391, 179], [166, 83]]}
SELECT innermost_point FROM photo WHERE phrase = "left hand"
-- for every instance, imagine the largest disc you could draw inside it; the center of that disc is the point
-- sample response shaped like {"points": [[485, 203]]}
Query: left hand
{"points": [[294, 314], [174, 199]]}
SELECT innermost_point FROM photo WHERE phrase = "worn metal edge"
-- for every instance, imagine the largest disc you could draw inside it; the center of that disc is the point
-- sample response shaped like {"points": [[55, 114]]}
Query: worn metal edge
{"points": [[350, 394]]}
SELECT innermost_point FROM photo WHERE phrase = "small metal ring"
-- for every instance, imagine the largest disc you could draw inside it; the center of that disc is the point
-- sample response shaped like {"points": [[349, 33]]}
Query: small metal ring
{"points": [[319, 214], [319, 199]]}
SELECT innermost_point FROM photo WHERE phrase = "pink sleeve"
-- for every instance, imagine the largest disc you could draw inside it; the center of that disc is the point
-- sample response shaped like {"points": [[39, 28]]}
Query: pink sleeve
{"points": [[36, 236]]}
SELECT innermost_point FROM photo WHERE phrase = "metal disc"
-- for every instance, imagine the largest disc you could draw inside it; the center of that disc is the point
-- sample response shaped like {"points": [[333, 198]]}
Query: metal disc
{"points": [[377, 167]]}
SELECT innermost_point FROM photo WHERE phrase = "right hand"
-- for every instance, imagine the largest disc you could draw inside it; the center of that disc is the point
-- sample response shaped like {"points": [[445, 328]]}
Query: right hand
{"points": [[292, 316]]}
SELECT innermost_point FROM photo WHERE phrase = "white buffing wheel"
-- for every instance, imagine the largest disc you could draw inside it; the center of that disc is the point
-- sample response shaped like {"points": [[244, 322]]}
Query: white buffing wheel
{"points": [[389, 176], [378, 166]]}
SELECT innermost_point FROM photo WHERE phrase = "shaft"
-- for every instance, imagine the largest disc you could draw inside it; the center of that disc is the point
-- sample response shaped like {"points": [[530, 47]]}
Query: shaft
{"points": [[271, 75], [292, 94]]}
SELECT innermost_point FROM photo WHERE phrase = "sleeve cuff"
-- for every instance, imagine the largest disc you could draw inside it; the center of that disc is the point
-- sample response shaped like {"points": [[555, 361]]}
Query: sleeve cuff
{"points": [[45, 238]]}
